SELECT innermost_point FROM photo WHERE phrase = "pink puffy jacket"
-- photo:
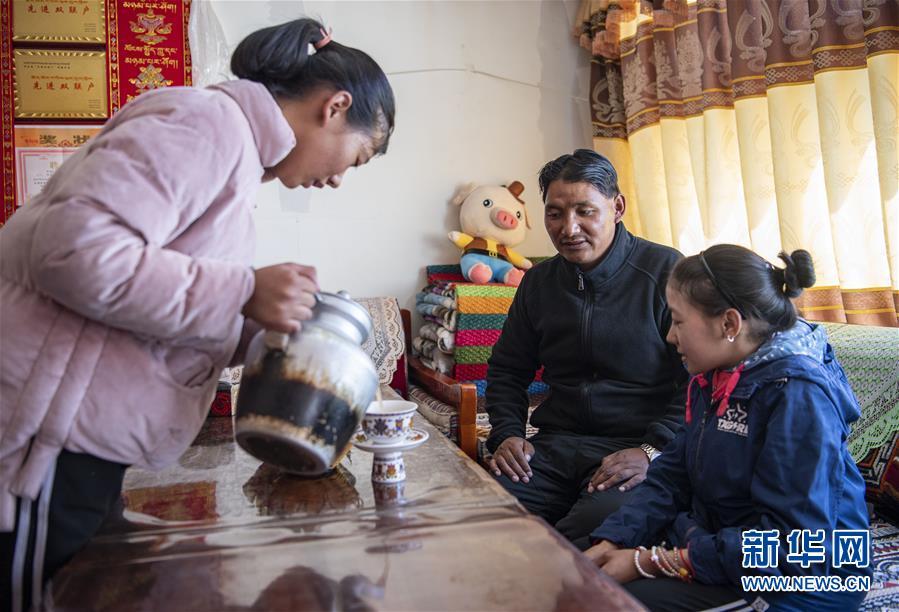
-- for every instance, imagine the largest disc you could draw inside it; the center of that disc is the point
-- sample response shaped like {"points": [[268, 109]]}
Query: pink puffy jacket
{"points": [[121, 284]]}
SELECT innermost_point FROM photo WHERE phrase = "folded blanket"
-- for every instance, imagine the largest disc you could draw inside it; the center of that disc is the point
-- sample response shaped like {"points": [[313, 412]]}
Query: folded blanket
{"points": [[439, 314], [447, 318], [424, 347], [430, 309], [433, 298], [444, 288], [441, 362], [445, 339]]}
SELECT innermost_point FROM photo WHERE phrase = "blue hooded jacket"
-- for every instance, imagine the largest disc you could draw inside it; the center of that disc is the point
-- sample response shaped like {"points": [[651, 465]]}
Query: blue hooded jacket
{"points": [[775, 459]]}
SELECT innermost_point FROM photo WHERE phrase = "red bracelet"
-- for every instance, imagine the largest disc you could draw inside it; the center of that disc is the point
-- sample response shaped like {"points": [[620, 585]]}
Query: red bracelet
{"points": [[686, 560]]}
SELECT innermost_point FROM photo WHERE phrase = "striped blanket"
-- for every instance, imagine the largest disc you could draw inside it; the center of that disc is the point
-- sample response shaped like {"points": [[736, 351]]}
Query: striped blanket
{"points": [[481, 313]]}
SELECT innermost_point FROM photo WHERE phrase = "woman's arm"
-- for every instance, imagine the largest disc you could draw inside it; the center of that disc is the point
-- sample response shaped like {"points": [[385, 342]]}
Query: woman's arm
{"points": [[100, 248]]}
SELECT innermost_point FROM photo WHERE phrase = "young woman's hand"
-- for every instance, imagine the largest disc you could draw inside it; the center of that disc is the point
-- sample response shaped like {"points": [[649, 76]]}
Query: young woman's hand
{"points": [[598, 553], [283, 297], [619, 564], [627, 467], [512, 457]]}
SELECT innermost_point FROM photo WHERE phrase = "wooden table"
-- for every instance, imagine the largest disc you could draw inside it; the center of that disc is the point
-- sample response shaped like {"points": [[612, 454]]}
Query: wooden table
{"points": [[220, 531]]}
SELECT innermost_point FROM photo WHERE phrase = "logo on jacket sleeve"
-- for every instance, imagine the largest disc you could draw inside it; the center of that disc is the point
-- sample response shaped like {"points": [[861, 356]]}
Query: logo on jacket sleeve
{"points": [[734, 420]]}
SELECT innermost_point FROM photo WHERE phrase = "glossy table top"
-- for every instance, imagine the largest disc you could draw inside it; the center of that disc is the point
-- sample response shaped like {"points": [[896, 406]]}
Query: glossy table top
{"points": [[221, 531]]}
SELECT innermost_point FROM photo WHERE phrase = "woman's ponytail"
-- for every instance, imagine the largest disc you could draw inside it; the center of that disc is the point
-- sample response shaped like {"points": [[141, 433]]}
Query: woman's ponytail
{"points": [[295, 58]]}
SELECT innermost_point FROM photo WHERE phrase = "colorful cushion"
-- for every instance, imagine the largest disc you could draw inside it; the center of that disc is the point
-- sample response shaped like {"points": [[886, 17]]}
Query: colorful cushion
{"points": [[481, 313], [442, 416]]}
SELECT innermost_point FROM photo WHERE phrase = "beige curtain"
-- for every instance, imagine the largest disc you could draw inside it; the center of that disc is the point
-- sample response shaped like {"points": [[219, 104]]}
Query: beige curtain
{"points": [[771, 124]]}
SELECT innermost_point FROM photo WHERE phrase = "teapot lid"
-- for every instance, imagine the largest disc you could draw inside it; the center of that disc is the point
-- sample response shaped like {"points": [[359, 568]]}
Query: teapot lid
{"points": [[340, 313]]}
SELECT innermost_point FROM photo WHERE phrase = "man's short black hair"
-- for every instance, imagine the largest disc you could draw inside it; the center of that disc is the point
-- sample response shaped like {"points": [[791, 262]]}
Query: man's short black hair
{"points": [[582, 166]]}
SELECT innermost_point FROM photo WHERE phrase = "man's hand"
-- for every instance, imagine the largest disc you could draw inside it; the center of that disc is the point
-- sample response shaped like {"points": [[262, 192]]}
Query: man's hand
{"points": [[619, 564], [512, 457], [597, 554], [627, 467], [283, 297]]}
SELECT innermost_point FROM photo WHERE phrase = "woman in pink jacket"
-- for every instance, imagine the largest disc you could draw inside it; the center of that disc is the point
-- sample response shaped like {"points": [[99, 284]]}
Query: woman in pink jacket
{"points": [[126, 285]]}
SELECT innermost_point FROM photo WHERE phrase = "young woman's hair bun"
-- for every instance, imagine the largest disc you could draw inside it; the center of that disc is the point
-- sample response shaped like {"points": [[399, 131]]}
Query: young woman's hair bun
{"points": [[798, 273]]}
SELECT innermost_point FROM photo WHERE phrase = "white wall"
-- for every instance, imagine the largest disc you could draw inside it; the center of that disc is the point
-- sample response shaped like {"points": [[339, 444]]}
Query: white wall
{"points": [[486, 92]]}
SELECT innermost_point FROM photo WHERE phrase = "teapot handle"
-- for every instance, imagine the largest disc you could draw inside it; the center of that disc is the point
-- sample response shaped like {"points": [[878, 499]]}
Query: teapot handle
{"points": [[278, 340]]}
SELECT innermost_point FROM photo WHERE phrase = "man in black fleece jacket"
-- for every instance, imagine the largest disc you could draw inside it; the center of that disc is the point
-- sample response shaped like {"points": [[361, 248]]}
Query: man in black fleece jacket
{"points": [[596, 318]]}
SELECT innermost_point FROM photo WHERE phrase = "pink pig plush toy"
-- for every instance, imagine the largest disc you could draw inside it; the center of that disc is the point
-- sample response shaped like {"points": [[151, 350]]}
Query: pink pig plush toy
{"points": [[493, 220]]}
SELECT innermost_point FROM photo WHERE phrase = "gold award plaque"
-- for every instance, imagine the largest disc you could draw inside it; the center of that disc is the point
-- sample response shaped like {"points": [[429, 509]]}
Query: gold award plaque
{"points": [[60, 84], [71, 21]]}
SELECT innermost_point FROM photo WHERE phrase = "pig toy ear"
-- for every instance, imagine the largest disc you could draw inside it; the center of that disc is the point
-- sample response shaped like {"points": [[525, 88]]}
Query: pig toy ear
{"points": [[516, 189], [462, 192]]}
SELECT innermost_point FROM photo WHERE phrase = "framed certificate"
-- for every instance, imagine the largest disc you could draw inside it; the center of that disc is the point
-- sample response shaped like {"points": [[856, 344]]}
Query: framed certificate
{"points": [[60, 84], [68, 21], [40, 150]]}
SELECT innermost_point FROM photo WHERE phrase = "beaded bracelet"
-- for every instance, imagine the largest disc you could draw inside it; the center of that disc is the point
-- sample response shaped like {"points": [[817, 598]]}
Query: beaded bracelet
{"points": [[671, 558], [688, 573], [680, 567], [660, 564], [667, 557], [640, 570]]}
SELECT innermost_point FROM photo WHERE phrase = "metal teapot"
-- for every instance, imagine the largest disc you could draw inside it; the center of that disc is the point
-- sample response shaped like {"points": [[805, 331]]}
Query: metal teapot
{"points": [[303, 395]]}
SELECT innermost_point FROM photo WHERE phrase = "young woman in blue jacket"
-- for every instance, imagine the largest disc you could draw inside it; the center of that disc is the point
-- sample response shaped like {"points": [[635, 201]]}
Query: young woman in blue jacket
{"points": [[762, 455]]}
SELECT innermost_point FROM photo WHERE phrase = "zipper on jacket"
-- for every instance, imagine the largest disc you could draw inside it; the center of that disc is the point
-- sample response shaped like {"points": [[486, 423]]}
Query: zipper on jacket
{"points": [[588, 322], [585, 402], [705, 419], [587, 348]]}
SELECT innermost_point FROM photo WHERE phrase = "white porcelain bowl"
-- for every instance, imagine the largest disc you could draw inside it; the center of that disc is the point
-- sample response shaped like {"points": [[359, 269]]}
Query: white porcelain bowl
{"points": [[388, 421]]}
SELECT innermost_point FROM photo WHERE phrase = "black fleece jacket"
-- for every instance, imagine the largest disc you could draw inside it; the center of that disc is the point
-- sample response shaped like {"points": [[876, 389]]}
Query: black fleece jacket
{"points": [[601, 337]]}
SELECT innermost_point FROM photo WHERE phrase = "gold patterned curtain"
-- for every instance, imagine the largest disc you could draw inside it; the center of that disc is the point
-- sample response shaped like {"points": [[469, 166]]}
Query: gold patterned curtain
{"points": [[771, 124]]}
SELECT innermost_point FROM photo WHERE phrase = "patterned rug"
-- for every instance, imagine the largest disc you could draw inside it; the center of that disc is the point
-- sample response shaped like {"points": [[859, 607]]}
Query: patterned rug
{"points": [[884, 594]]}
